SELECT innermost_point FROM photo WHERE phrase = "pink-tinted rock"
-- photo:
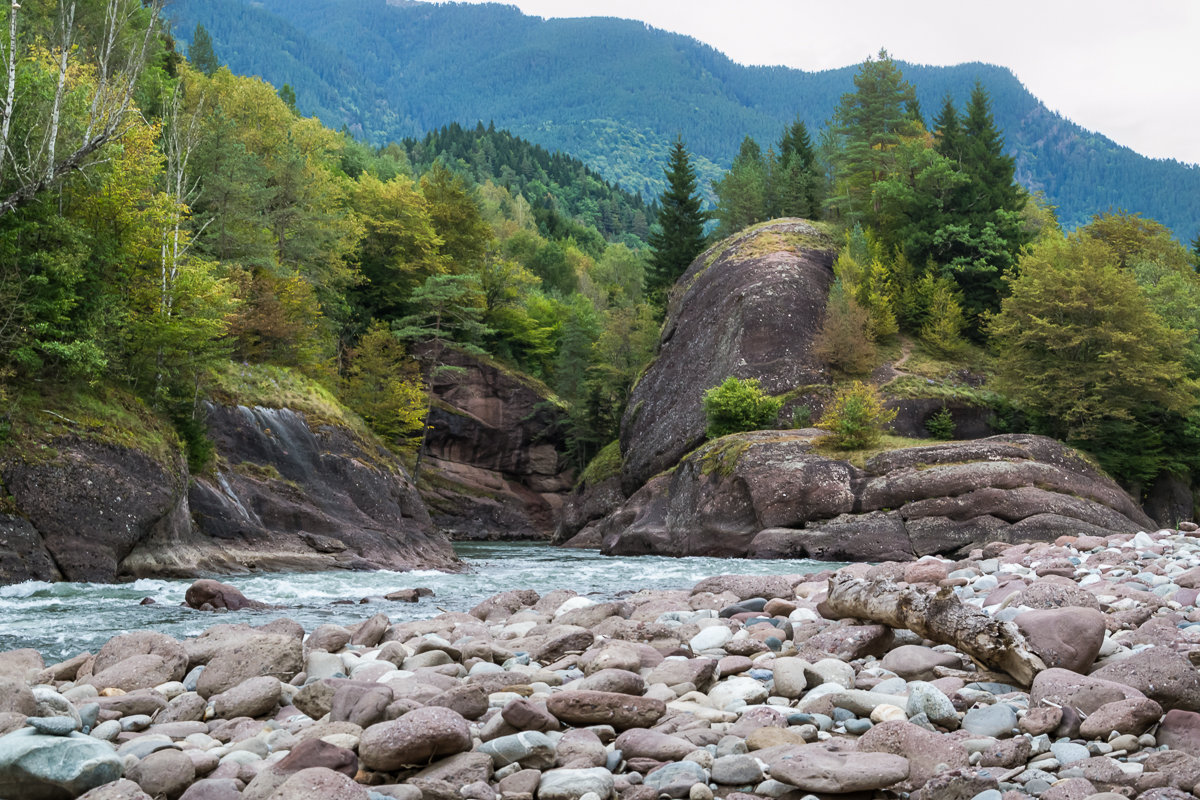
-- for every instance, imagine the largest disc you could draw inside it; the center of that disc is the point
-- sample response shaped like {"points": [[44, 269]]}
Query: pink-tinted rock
{"points": [[643, 743], [1162, 675], [1069, 637], [927, 570], [1050, 593], [1083, 692], [165, 772], [1124, 716], [914, 662], [848, 642], [622, 711], [415, 738], [1180, 730], [318, 783], [927, 752], [823, 768], [208, 592]]}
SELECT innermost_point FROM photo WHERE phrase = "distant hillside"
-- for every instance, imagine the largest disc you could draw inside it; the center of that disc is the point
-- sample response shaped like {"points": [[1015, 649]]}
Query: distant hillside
{"points": [[554, 184], [615, 92]]}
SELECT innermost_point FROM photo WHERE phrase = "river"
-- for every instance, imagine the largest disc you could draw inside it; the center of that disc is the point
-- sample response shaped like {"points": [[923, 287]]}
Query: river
{"points": [[63, 619]]}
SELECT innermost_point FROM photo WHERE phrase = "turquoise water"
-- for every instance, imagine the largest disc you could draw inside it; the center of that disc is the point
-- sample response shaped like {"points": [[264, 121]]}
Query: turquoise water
{"points": [[63, 619]]}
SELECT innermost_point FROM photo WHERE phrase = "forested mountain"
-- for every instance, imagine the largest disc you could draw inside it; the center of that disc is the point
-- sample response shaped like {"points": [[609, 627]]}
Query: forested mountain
{"points": [[615, 93], [559, 188]]}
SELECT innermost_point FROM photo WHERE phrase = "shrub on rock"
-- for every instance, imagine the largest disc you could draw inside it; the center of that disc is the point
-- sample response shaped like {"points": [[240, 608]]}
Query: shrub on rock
{"points": [[738, 405], [856, 417]]}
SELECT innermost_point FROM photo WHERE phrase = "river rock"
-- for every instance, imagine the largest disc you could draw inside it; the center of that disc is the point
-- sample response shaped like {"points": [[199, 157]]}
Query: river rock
{"points": [[914, 662], [622, 711], [1179, 730], [165, 772], [1124, 716], [927, 753], [730, 690], [1165, 677], [318, 783], [253, 697], [38, 767], [642, 743], [214, 594], [16, 697], [1068, 637], [996, 721], [677, 779], [530, 749], [251, 656], [819, 768], [415, 738], [573, 784], [1083, 692]]}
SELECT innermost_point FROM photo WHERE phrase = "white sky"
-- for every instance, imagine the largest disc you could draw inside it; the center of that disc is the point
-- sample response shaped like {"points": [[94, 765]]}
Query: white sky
{"points": [[1128, 69]]}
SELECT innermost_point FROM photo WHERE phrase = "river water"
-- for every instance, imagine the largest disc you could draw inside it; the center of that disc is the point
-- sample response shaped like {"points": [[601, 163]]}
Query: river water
{"points": [[63, 619]]}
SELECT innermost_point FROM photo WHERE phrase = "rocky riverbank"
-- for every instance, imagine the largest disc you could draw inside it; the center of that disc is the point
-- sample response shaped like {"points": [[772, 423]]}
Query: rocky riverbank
{"points": [[742, 686]]}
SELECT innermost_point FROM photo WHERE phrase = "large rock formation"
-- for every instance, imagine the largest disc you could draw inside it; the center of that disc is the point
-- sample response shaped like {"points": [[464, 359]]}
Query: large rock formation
{"points": [[288, 495], [284, 495], [771, 494], [494, 465], [748, 308]]}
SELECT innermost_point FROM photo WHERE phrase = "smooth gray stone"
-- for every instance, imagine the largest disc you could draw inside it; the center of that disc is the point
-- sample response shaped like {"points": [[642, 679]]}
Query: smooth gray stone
{"points": [[996, 721]]}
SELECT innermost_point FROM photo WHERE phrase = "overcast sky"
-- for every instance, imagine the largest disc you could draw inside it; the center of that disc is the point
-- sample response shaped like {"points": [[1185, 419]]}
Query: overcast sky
{"points": [[1128, 70]]}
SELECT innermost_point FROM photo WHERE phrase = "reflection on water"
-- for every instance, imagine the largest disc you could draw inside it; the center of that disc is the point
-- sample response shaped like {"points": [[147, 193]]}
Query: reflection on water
{"points": [[62, 619]]}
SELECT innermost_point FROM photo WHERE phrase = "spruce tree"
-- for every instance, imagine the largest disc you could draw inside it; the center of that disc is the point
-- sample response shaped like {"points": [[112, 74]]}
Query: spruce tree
{"points": [[201, 53], [948, 132], [680, 236], [797, 184], [742, 197], [984, 157]]}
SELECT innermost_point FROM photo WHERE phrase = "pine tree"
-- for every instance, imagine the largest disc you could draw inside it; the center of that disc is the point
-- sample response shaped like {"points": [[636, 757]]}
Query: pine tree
{"points": [[797, 184], [742, 197], [869, 125], [984, 158], [201, 53], [680, 235], [948, 132]]}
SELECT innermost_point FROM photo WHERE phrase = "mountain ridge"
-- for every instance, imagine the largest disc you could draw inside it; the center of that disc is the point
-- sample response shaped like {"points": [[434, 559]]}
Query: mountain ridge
{"points": [[615, 92]]}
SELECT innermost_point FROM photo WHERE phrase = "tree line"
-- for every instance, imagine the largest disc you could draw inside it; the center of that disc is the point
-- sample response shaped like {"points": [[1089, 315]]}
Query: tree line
{"points": [[1090, 337]]}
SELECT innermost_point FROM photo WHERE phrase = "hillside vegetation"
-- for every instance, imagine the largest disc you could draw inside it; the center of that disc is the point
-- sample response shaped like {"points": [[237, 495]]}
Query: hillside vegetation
{"points": [[615, 93]]}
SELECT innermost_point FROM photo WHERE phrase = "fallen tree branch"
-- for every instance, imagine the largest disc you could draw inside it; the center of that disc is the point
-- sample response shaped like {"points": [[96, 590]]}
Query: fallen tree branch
{"points": [[940, 617]]}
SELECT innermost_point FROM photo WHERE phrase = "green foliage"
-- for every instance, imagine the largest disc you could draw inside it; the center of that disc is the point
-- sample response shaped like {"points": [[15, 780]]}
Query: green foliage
{"points": [[802, 416], [940, 424], [846, 342], [871, 124], [856, 417], [679, 237], [383, 386], [614, 93], [742, 194], [604, 465], [201, 53], [738, 405], [1082, 351]]}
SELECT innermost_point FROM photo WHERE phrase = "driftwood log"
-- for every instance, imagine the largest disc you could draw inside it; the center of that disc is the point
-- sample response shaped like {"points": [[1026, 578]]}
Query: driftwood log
{"points": [[938, 616]]}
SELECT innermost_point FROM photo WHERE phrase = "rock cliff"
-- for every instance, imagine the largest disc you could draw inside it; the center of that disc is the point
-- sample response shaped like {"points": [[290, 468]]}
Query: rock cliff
{"points": [[750, 308], [494, 465], [772, 494], [284, 495]]}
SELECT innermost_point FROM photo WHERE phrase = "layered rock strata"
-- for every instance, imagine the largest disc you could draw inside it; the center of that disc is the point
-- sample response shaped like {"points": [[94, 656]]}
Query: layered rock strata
{"points": [[772, 494]]}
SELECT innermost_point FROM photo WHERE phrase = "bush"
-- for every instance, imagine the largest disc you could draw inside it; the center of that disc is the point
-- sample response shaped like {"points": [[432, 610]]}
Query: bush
{"points": [[845, 341], [802, 416], [941, 424], [738, 405], [856, 417]]}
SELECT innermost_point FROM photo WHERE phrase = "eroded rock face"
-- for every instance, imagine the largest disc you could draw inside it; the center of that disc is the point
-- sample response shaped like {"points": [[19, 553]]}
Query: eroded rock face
{"points": [[90, 505], [752, 310], [494, 464], [285, 496], [295, 497], [770, 494]]}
